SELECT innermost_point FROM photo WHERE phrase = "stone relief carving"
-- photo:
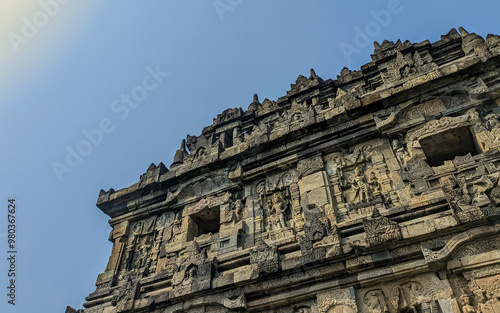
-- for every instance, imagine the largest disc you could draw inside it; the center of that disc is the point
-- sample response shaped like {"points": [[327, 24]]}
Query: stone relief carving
{"points": [[380, 229], [424, 293], [277, 219], [375, 302], [265, 257], [307, 211], [192, 270], [361, 186], [337, 301]]}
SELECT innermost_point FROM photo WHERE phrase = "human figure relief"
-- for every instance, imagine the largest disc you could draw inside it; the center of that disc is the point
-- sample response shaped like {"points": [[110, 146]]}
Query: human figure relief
{"points": [[466, 304], [233, 213], [402, 154], [493, 125], [487, 304], [375, 185], [177, 226], [375, 302], [238, 210], [360, 186], [334, 166], [131, 256], [277, 216]]}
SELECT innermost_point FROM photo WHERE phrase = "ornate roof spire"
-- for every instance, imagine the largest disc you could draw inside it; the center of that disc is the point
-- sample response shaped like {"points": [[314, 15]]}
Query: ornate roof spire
{"points": [[255, 103]]}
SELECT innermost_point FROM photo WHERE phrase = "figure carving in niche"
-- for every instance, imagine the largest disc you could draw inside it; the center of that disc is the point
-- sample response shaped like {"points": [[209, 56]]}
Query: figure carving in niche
{"points": [[260, 188], [190, 273], [374, 184], [401, 152], [238, 210], [131, 256], [375, 301], [160, 229], [466, 304], [334, 166], [177, 226], [479, 189], [412, 292], [361, 190], [488, 304], [146, 256], [277, 212], [233, 215], [493, 125], [488, 133], [492, 122]]}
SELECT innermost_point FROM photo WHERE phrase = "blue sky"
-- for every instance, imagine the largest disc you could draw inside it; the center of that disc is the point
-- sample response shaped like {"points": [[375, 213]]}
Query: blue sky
{"points": [[181, 63]]}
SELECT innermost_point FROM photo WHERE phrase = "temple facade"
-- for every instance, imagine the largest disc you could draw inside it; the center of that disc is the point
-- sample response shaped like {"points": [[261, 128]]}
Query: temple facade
{"points": [[374, 192]]}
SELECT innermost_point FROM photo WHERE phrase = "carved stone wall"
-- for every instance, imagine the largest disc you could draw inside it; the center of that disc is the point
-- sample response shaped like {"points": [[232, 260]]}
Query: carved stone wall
{"points": [[375, 192]]}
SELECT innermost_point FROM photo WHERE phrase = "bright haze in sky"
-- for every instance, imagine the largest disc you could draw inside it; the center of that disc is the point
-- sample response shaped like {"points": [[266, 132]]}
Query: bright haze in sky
{"points": [[93, 92]]}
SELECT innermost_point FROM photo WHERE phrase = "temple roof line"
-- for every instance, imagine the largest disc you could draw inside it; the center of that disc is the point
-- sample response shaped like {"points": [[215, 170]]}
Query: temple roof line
{"points": [[395, 67]]}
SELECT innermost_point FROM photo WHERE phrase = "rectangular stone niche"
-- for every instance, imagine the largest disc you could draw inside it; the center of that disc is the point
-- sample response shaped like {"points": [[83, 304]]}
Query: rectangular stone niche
{"points": [[207, 221], [447, 145]]}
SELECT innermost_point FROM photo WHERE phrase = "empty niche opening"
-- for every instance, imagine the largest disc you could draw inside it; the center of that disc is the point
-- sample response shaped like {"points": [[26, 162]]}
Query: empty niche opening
{"points": [[224, 243], [207, 221], [447, 145]]}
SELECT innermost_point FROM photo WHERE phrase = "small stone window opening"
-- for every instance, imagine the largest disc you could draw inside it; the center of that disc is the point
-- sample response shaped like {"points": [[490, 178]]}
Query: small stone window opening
{"points": [[224, 243], [226, 139], [207, 221], [447, 145]]}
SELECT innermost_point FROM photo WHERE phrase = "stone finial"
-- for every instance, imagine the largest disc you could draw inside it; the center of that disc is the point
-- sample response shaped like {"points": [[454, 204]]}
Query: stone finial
{"points": [[470, 41], [151, 167], [255, 103], [377, 46], [345, 71], [313, 73], [180, 154], [452, 34], [463, 32], [255, 98]]}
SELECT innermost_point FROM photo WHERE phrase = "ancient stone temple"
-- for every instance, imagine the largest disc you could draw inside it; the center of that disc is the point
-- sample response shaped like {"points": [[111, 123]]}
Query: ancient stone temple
{"points": [[375, 192]]}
